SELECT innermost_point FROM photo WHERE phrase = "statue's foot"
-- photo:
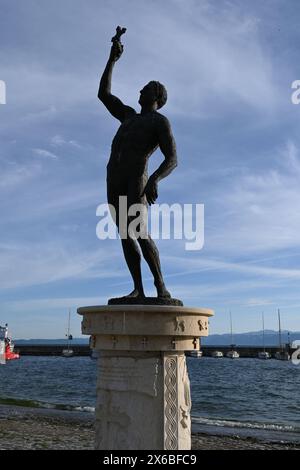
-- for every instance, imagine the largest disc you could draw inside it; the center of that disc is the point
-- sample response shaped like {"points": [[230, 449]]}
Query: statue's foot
{"points": [[136, 293], [135, 297], [163, 293]]}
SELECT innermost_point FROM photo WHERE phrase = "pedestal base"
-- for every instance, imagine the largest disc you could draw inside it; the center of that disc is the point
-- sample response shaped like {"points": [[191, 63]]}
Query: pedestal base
{"points": [[143, 390], [143, 402]]}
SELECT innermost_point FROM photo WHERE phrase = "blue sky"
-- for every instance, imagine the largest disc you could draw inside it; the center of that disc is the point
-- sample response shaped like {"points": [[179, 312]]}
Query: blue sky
{"points": [[228, 67]]}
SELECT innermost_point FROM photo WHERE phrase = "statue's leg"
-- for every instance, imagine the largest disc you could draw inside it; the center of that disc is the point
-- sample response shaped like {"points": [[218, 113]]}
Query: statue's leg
{"points": [[133, 260], [148, 247], [151, 255], [130, 247]]}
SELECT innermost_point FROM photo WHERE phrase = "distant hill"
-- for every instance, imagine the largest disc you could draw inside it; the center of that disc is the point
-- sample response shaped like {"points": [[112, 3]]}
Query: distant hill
{"points": [[253, 338], [50, 341]]}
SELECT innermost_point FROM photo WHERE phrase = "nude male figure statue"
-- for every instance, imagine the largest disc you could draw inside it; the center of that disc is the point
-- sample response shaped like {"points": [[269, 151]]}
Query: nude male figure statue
{"points": [[139, 135]]}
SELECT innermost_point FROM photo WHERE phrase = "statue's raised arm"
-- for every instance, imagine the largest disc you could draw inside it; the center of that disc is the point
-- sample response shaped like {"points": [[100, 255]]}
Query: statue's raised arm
{"points": [[112, 103]]}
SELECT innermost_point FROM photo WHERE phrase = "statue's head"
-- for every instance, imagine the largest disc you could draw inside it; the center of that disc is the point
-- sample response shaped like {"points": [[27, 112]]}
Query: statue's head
{"points": [[153, 92]]}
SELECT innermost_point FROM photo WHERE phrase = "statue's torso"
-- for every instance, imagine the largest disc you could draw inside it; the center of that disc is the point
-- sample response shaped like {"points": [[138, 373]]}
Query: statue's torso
{"points": [[135, 141]]}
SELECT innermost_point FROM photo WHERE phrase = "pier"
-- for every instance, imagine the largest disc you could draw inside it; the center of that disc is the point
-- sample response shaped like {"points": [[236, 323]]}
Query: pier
{"points": [[84, 350], [244, 351], [51, 349]]}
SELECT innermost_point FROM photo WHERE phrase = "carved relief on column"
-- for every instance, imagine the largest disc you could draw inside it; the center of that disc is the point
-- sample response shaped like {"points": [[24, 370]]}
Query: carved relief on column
{"points": [[170, 402], [184, 400]]}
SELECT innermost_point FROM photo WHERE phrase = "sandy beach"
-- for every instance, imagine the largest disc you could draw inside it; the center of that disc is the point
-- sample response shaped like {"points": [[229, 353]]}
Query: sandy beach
{"points": [[43, 429]]}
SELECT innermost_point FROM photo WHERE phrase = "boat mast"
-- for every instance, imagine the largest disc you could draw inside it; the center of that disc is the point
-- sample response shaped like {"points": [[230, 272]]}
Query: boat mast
{"points": [[231, 329], [279, 326], [263, 322], [68, 331]]}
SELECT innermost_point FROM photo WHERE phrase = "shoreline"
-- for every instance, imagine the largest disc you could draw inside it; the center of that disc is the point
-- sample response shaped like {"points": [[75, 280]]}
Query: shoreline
{"points": [[48, 429]]}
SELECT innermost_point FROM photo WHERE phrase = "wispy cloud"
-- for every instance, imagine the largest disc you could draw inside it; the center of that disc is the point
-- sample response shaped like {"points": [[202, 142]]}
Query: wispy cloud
{"points": [[258, 213], [258, 302], [45, 154], [33, 305], [14, 174], [48, 262], [59, 141], [202, 264]]}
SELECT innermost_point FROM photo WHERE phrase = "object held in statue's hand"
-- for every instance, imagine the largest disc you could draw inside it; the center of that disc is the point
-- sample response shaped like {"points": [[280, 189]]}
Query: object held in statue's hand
{"points": [[117, 37]]}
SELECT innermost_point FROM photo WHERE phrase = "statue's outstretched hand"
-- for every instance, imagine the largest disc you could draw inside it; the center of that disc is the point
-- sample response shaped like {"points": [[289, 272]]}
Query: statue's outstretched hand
{"points": [[116, 51], [150, 191]]}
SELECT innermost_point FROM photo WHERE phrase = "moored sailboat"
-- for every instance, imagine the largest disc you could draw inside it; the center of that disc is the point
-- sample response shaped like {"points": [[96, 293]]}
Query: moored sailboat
{"points": [[195, 353], [264, 354], [282, 354], [68, 352], [217, 354], [232, 354]]}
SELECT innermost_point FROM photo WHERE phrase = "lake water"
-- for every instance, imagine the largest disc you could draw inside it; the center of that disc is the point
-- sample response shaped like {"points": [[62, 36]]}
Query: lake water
{"points": [[246, 397]]}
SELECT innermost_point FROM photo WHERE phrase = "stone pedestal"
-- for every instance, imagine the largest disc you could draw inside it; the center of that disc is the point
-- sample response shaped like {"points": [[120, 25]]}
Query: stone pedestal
{"points": [[143, 389]]}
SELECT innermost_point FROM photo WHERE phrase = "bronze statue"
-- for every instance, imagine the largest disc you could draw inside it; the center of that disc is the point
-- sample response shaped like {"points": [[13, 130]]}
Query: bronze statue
{"points": [[139, 135]]}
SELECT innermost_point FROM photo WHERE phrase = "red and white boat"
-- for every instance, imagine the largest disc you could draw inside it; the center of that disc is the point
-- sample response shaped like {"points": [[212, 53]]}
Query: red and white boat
{"points": [[6, 346]]}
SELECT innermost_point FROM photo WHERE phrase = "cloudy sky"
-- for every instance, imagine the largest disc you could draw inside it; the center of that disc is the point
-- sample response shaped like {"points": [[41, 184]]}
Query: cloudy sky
{"points": [[228, 67]]}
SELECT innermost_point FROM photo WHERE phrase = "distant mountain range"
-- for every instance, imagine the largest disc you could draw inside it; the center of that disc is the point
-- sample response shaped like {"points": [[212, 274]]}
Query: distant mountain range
{"points": [[254, 338], [59, 341]]}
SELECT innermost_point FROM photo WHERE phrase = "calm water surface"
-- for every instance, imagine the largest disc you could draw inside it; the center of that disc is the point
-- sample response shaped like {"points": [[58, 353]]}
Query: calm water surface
{"points": [[243, 396]]}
